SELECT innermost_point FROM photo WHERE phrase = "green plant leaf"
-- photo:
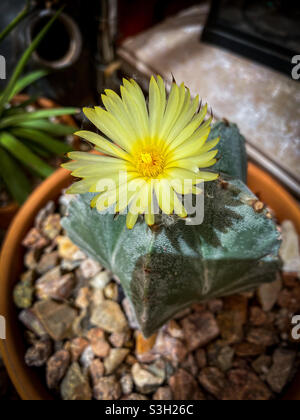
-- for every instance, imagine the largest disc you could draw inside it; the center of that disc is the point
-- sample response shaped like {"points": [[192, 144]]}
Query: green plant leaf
{"points": [[15, 22], [25, 155], [23, 61], [42, 139], [14, 177], [26, 81], [19, 109], [57, 130], [36, 115], [37, 149]]}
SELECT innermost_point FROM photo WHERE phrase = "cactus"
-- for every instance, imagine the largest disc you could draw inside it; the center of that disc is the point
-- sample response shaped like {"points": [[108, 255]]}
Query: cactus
{"points": [[172, 265]]}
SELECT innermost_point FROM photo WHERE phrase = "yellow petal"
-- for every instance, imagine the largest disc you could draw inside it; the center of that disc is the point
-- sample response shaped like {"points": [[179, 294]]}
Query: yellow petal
{"points": [[208, 176], [179, 207], [131, 220], [171, 111], [111, 127], [187, 114], [210, 145], [81, 187], [156, 110], [116, 108], [103, 145], [165, 196], [99, 170]]}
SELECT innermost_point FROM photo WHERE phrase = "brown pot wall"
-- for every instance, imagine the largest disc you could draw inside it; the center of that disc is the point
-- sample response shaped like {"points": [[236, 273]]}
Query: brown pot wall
{"points": [[28, 383]]}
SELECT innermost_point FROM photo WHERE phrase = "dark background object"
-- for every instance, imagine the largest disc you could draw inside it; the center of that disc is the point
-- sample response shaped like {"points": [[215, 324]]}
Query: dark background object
{"points": [[78, 82], [267, 31]]}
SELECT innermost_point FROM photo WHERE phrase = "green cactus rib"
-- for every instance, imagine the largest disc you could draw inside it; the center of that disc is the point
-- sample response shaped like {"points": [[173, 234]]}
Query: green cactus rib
{"points": [[232, 152], [234, 250]]}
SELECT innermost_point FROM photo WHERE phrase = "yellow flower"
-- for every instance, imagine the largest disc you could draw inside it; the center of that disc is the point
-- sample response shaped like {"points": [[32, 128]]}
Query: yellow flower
{"points": [[151, 150]]}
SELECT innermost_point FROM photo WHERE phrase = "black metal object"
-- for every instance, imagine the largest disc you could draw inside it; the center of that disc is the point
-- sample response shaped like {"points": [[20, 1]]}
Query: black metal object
{"points": [[71, 49], [267, 31]]}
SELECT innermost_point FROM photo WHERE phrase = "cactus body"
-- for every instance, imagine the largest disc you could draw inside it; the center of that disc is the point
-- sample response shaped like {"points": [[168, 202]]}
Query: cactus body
{"points": [[165, 270]]}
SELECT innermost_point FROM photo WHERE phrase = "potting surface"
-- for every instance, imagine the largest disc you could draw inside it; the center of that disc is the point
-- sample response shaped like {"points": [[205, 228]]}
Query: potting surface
{"points": [[238, 347]]}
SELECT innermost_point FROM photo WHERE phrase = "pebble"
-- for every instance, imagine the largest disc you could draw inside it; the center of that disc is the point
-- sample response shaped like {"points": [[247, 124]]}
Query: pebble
{"points": [[35, 240], [232, 319], [130, 314], [57, 367], [51, 227], [145, 381], [111, 291], [163, 393], [67, 250], [100, 280], [244, 385], [225, 358], [262, 364], [126, 383], [215, 306], [119, 339], [83, 298], [184, 386], [170, 347], [279, 374], [248, 349], [268, 294], [75, 386], [97, 370], [89, 268], [100, 347], [262, 337], [54, 285], [114, 360], [200, 329], [39, 353], [43, 214], [175, 330], [190, 365], [30, 320], [47, 262], [109, 316], [258, 317], [201, 358], [107, 388], [87, 357], [31, 258], [77, 347], [213, 381], [56, 318], [135, 397], [24, 292], [290, 299]]}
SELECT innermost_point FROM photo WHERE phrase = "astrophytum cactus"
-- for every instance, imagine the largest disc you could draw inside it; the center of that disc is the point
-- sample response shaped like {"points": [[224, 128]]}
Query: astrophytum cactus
{"points": [[172, 265]]}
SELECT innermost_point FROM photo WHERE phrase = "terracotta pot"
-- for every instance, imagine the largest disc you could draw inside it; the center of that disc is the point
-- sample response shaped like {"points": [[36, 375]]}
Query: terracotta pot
{"points": [[26, 380], [8, 212]]}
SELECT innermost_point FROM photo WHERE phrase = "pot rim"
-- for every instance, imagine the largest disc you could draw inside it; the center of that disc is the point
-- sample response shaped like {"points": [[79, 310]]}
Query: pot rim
{"points": [[26, 380]]}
